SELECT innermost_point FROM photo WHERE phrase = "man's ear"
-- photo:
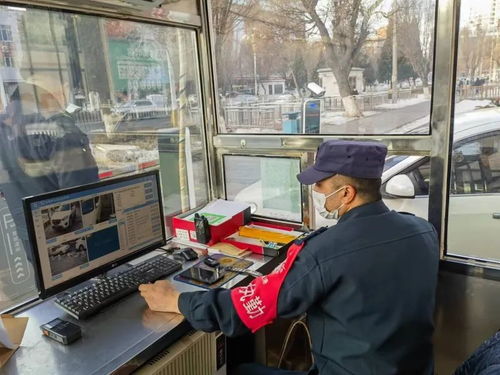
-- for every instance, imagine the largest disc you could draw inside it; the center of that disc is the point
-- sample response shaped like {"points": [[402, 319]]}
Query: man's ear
{"points": [[350, 193]]}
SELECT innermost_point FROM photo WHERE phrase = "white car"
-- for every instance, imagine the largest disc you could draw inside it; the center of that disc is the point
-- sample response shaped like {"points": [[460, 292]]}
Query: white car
{"points": [[63, 216], [158, 100], [474, 205], [141, 108], [60, 250], [91, 210]]}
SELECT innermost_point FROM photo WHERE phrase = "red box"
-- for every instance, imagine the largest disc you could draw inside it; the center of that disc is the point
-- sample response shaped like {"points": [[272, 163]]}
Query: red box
{"points": [[184, 225]]}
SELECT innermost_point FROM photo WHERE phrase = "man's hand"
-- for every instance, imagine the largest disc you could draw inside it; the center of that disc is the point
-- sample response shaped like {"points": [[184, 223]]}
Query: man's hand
{"points": [[161, 296]]}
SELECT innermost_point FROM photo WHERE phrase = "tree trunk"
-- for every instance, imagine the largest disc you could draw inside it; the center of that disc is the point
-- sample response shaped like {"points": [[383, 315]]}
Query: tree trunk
{"points": [[219, 64], [350, 104], [341, 74]]}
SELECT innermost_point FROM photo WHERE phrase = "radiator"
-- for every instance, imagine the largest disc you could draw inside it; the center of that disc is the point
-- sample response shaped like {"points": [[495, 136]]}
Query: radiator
{"points": [[197, 353]]}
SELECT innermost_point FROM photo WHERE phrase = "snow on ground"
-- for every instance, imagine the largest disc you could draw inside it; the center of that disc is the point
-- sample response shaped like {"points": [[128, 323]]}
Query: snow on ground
{"points": [[339, 118], [470, 105], [110, 156], [256, 130], [403, 103]]}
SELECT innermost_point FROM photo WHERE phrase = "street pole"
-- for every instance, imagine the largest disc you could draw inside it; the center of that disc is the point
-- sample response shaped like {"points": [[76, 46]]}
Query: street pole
{"points": [[254, 68], [394, 77]]}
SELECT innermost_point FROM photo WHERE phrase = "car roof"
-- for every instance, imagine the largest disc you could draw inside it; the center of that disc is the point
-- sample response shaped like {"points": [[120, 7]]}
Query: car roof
{"points": [[476, 122], [466, 125]]}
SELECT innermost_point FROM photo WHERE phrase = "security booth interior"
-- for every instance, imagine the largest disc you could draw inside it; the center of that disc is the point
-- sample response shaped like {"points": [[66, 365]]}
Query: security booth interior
{"points": [[249, 187]]}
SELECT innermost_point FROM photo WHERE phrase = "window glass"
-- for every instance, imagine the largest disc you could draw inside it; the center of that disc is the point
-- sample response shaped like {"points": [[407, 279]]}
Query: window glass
{"points": [[473, 220], [184, 6], [268, 184], [86, 98], [410, 194], [346, 48]]}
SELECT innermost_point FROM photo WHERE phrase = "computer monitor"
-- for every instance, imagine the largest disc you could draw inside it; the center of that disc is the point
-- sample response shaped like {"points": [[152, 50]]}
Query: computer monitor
{"points": [[80, 232]]}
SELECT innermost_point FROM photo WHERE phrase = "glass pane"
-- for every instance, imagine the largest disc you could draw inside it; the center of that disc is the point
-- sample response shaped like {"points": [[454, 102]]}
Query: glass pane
{"points": [[85, 98], [474, 203], [269, 52], [405, 186], [184, 6], [268, 184]]}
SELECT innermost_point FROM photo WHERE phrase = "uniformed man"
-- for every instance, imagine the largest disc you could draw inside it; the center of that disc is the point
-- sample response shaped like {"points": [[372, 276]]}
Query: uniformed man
{"points": [[41, 150], [367, 283]]}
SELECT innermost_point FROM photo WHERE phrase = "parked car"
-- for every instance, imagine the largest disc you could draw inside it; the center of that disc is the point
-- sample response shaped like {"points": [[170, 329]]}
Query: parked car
{"points": [[158, 100], [474, 184], [60, 250], [91, 210], [137, 109], [63, 216]]}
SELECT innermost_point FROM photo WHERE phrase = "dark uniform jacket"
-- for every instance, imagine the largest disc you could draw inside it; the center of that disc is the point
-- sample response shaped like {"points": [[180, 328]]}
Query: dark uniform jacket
{"points": [[39, 155], [368, 286]]}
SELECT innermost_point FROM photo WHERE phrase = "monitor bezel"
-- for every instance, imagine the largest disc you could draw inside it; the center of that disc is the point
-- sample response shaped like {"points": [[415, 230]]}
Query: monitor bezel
{"points": [[46, 292]]}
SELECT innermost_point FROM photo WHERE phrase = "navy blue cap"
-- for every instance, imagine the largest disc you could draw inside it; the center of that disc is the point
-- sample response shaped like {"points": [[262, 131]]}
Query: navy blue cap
{"points": [[349, 158]]}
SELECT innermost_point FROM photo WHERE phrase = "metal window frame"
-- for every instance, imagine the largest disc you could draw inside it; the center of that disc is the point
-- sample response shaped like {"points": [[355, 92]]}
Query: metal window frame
{"points": [[91, 7], [305, 159]]}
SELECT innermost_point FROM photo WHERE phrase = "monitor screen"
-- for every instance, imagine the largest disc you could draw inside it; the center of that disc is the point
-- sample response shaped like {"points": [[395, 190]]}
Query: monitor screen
{"points": [[79, 232]]}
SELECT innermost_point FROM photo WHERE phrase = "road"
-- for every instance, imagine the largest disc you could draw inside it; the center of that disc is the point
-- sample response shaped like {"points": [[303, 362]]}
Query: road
{"points": [[382, 122]]}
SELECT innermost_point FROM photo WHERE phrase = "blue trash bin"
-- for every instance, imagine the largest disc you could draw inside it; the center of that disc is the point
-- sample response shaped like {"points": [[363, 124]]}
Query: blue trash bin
{"points": [[291, 122]]}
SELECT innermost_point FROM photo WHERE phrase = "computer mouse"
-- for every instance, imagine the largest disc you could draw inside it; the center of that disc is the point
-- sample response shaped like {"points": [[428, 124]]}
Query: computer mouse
{"points": [[189, 254]]}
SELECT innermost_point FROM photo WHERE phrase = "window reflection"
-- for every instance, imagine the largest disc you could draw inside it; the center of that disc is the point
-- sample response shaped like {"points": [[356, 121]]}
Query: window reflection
{"points": [[85, 98]]}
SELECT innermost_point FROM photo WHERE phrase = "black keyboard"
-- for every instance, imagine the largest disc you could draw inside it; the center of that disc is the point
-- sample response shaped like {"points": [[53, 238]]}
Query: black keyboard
{"points": [[91, 299]]}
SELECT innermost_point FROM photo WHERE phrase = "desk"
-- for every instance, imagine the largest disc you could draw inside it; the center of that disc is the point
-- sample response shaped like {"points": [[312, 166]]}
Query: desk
{"points": [[118, 340]]}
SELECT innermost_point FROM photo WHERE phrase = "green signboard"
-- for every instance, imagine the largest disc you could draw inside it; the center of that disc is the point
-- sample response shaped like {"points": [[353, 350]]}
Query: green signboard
{"points": [[134, 68]]}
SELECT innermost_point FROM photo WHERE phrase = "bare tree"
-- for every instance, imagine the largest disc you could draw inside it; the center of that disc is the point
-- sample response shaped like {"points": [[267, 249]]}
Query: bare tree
{"points": [[470, 51], [343, 26], [416, 22], [226, 16]]}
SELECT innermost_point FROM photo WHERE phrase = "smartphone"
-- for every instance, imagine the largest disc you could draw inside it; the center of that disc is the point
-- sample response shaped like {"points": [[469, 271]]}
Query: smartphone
{"points": [[205, 275]]}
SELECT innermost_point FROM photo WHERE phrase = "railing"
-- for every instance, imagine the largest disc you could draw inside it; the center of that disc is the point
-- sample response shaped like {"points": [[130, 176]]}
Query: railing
{"points": [[88, 120], [268, 115], [478, 92], [92, 120]]}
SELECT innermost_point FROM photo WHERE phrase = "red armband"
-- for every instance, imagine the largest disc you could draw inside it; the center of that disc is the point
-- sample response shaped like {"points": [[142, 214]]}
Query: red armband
{"points": [[257, 303]]}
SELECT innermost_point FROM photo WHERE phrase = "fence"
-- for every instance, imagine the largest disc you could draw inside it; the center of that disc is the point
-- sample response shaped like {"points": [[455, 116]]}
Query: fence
{"points": [[267, 116], [478, 92], [88, 120], [270, 115], [92, 120]]}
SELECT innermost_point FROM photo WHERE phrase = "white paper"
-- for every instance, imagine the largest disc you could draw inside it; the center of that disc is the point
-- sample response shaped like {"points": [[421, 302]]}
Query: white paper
{"points": [[4, 337], [221, 207]]}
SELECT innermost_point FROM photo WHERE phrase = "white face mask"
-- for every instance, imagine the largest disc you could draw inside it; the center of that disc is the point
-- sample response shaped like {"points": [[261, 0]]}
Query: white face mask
{"points": [[319, 200]]}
